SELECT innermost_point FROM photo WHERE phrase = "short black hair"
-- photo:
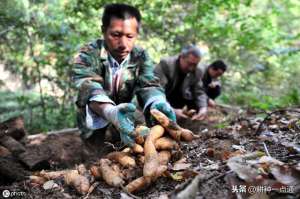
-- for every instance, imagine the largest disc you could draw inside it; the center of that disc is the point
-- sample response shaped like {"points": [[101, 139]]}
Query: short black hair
{"points": [[121, 11], [218, 64]]}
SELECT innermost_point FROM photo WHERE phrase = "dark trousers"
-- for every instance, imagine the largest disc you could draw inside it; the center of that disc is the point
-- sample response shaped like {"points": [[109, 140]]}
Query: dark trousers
{"points": [[180, 102], [213, 93]]}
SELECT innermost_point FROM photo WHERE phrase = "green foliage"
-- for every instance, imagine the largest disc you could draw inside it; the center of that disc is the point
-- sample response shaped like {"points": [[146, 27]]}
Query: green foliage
{"points": [[29, 105], [222, 125], [261, 101], [259, 39]]}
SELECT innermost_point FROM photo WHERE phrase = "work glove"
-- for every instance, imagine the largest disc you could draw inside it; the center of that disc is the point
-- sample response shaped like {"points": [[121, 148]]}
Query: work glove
{"points": [[122, 117], [163, 107]]}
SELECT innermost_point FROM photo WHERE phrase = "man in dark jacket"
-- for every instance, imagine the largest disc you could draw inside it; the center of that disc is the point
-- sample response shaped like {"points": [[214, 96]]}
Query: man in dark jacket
{"points": [[211, 82], [182, 81]]}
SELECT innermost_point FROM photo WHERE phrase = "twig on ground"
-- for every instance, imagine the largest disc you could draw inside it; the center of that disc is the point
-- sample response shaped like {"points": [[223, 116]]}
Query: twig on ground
{"points": [[266, 149], [112, 145]]}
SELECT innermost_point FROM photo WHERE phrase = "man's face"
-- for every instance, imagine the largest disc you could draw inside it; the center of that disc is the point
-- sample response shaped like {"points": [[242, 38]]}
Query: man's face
{"points": [[120, 37], [215, 72], [189, 63]]}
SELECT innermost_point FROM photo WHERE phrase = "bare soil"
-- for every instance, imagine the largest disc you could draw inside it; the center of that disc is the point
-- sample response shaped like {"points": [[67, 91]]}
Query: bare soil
{"points": [[208, 155]]}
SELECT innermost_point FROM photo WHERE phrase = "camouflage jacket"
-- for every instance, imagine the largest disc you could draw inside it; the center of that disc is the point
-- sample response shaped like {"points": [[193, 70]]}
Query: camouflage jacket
{"points": [[92, 76], [192, 86]]}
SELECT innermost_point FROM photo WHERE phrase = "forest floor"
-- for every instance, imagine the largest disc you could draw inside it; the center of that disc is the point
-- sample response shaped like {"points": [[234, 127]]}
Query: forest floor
{"points": [[238, 152]]}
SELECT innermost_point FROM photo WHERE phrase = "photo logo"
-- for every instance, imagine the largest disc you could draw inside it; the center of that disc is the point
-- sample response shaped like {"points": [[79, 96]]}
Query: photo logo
{"points": [[6, 193]]}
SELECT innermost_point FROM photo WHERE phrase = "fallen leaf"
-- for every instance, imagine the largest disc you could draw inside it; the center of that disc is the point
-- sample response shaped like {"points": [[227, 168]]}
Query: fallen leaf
{"points": [[268, 136], [274, 126], [177, 176], [183, 175], [226, 154], [189, 173], [214, 166], [190, 190], [125, 196], [182, 160], [238, 147], [292, 147], [270, 160], [259, 196], [50, 185], [163, 196], [181, 166], [297, 167], [285, 175], [244, 170]]}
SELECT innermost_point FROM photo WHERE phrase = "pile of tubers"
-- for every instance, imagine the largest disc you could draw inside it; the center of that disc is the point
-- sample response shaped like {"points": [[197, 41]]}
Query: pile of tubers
{"points": [[150, 154]]}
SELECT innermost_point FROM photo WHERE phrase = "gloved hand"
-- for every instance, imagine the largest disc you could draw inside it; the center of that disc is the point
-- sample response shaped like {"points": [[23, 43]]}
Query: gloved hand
{"points": [[163, 107], [121, 116]]}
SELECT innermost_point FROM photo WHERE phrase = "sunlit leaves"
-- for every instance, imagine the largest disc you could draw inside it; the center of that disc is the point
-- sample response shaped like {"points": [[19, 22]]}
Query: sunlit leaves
{"points": [[259, 39]]}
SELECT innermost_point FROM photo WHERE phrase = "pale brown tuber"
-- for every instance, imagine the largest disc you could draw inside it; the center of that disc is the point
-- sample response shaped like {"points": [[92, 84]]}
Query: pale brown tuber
{"points": [[122, 157], [110, 174], [165, 143], [173, 128], [79, 182], [138, 184], [164, 157]]}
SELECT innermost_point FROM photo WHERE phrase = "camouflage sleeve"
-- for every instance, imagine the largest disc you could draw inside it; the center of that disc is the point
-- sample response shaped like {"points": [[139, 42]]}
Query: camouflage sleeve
{"points": [[148, 88], [199, 92], [87, 80], [159, 72]]}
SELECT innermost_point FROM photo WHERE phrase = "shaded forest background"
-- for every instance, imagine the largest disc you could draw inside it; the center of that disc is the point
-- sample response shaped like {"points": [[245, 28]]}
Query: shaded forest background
{"points": [[259, 40]]}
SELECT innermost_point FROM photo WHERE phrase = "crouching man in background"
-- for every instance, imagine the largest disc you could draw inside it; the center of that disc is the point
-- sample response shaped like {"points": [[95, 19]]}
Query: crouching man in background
{"points": [[182, 81], [211, 82]]}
